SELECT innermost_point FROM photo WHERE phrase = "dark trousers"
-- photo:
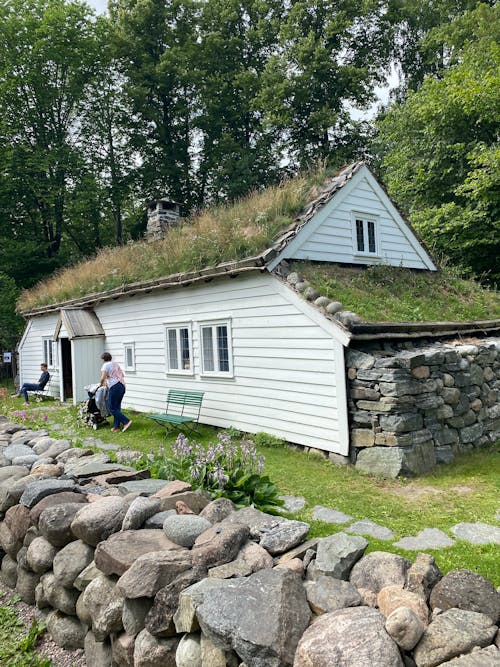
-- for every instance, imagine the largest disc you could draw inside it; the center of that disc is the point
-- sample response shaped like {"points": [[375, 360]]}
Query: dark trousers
{"points": [[114, 400], [28, 386]]}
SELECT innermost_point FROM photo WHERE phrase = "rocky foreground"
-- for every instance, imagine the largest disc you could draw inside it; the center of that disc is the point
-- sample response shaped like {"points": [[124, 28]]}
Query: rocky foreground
{"points": [[143, 572]]}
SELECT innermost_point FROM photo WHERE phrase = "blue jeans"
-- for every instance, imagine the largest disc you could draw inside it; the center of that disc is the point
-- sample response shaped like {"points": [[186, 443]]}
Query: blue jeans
{"points": [[28, 386], [114, 400]]}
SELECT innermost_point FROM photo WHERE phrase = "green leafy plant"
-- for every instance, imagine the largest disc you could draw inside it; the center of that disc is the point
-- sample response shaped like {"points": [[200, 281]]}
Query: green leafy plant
{"points": [[17, 643], [262, 439]]}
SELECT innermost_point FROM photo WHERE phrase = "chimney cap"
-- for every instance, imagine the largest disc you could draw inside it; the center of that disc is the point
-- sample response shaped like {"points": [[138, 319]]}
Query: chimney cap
{"points": [[159, 200]]}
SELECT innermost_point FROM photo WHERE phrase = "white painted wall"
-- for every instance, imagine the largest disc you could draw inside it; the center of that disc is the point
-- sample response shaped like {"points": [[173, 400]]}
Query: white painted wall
{"points": [[328, 237], [31, 352], [288, 365], [285, 365]]}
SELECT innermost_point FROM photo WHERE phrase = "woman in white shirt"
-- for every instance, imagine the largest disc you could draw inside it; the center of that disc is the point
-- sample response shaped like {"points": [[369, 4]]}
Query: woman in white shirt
{"points": [[112, 377]]}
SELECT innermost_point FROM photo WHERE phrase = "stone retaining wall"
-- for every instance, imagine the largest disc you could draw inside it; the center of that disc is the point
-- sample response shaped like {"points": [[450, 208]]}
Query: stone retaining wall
{"points": [[147, 573], [415, 405]]}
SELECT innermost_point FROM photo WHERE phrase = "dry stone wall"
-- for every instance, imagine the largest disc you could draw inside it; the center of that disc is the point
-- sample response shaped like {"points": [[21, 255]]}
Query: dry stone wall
{"points": [[415, 405], [162, 576]]}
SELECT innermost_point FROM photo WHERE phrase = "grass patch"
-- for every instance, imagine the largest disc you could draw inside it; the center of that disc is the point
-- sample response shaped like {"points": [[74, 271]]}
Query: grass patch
{"points": [[17, 643], [467, 490], [389, 293]]}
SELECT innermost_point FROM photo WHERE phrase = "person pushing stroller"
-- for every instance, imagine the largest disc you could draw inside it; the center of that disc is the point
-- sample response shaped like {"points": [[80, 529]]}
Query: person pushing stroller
{"points": [[113, 378]]}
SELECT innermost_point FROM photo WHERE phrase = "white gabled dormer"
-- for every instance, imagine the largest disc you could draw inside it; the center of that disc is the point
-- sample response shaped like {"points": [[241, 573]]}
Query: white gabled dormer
{"points": [[355, 222]]}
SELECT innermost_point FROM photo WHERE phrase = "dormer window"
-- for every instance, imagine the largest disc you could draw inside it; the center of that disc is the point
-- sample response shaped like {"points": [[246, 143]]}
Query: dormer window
{"points": [[365, 235]]}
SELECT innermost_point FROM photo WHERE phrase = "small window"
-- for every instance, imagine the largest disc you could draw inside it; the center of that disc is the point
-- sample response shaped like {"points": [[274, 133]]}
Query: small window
{"points": [[179, 349], [129, 354], [48, 352], [365, 236], [216, 352]]}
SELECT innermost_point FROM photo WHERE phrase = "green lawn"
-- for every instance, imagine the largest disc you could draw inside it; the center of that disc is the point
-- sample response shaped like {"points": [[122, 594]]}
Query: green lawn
{"points": [[466, 491]]}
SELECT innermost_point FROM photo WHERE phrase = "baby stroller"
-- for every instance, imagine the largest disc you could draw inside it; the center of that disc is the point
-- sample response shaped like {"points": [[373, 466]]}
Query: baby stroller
{"points": [[94, 412]]}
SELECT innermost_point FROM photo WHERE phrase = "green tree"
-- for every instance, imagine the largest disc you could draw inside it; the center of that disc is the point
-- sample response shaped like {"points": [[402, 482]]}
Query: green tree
{"points": [[440, 154], [10, 324], [236, 150], [153, 43], [330, 55], [49, 53]]}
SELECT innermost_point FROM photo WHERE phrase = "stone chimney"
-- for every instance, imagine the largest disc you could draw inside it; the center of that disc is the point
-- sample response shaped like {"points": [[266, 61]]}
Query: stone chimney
{"points": [[162, 214]]}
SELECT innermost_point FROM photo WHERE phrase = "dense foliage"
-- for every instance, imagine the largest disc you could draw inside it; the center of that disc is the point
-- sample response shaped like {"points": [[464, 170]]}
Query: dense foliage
{"points": [[204, 101], [441, 157], [229, 468]]}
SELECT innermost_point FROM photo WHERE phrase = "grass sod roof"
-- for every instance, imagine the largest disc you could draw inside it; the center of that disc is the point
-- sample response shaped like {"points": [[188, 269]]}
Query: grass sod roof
{"points": [[229, 240]]}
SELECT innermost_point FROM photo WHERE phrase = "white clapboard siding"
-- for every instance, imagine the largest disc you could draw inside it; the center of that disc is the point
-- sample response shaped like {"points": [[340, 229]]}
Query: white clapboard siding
{"points": [[328, 236], [288, 370], [31, 352]]}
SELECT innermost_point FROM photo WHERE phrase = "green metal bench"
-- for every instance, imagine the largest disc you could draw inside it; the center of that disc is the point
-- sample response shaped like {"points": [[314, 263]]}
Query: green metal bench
{"points": [[183, 408]]}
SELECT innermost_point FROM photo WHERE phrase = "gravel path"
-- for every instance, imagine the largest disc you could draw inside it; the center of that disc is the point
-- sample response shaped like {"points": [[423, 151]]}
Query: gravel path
{"points": [[45, 647]]}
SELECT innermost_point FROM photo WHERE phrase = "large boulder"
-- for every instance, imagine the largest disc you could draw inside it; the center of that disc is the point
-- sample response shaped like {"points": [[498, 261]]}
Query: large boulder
{"points": [[66, 631], [8, 541], [348, 637], [71, 561], [284, 537], [40, 555], [26, 585], [337, 554], [123, 650], [423, 575], [218, 510], [18, 519], [392, 597], [66, 497], [55, 522], [188, 652], [153, 571], [219, 544], [8, 572], [38, 490], [261, 617], [116, 554], [97, 654], [379, 569], [451, 634], [96, 521], [58, 596], [190, 599], [159, 620], [327, 594], [485, 657], [405, 627], [152, 651], [139, 511], [466, 590], [104, 605], [183, 529], [134, 614]]}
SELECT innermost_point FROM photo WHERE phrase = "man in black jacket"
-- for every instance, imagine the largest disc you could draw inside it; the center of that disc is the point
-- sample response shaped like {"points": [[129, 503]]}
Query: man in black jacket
{"points": [[35, 386]]}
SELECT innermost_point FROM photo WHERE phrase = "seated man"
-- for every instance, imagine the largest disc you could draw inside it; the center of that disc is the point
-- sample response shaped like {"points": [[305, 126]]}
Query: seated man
{"points": [[35, 386]]}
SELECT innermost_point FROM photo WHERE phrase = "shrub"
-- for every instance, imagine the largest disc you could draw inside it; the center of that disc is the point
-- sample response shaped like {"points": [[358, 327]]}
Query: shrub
{"points": [[225, 468]]}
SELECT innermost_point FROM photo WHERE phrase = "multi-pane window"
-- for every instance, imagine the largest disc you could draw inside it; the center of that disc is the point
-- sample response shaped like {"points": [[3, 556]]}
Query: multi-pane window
{"points": [[179, 349], [365, 236], [216, 355], [48, 352], [129, 354]]}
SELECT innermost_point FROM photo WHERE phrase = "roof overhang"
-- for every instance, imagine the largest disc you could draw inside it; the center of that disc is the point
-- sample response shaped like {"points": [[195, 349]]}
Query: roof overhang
{"points": [[408, 330], [79, 323]]}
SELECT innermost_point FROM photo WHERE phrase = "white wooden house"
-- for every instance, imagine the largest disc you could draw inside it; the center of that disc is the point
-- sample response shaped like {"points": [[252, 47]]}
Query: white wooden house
{"points": [[268, 359]]}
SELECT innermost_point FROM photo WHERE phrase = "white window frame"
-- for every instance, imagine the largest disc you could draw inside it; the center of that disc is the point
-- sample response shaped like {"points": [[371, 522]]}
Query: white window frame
{"points": [[49, 352], [214, 324], [365, 218], [177, 326], [129, 345]]}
